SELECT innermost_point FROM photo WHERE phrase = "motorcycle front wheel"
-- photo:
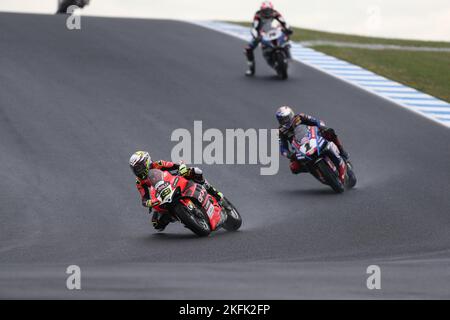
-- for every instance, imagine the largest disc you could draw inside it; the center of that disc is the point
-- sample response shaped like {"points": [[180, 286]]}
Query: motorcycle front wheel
{"points": [[281, 65], [331, 177], [195, 220]]}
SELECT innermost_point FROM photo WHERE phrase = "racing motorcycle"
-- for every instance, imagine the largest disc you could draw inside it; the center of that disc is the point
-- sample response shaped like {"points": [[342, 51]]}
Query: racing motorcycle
{"points": [[312, 150], [189, 203], [63, 5], [275, 46]]}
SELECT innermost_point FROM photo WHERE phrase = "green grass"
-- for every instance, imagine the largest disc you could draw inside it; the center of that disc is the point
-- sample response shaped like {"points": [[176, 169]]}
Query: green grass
{"points": [[301, 34], [426, 71]]}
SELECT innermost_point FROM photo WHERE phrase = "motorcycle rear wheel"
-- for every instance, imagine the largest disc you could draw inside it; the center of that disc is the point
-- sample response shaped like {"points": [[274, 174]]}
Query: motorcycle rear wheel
{"points": [[351, 177], [234, 220]]}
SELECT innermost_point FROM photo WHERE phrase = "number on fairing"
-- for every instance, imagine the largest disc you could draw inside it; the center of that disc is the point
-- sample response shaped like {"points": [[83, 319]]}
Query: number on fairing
{"points": [[164, 193], [210, 210]]}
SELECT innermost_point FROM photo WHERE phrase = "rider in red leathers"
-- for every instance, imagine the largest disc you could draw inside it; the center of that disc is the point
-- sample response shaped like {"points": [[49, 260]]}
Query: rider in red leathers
{"points": [[141, 162]]}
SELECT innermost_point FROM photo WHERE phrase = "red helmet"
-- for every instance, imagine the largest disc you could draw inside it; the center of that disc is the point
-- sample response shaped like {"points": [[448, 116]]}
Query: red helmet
{"points": [[266, 9]]}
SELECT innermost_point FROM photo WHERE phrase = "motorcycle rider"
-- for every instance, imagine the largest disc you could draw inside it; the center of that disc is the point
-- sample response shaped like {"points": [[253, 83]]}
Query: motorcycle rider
{"points": [[63, 5], [141, 162], [262, 21], [288, 121]]}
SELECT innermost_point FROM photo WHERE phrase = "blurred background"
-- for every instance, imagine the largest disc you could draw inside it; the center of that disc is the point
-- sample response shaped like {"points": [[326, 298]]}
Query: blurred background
{"points": [[408, 19]]}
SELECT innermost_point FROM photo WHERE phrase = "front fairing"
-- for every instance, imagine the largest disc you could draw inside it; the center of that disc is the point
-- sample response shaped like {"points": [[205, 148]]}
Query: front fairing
{"points": [[274, 38], [184, 191], [165, 188], [307, 142]]}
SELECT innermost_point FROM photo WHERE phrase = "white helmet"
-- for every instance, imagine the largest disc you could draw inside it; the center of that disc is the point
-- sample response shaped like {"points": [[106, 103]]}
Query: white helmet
{"points": [[284, 116], [140, 162]]}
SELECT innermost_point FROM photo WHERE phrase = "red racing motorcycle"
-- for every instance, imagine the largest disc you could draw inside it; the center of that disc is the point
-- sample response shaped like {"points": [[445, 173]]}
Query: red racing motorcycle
{"points": [[190, 203]]}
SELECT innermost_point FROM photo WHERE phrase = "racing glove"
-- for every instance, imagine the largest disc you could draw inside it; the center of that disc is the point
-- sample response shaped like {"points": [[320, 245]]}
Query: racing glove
{"points": [[289, 154], [160, 221], [149, 203], [156, 222], [292, 156], [183, 170]]}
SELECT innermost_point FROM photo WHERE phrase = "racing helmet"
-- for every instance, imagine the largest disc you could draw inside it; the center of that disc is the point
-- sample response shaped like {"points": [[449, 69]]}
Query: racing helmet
{"points": [[140, 162], [266, 9], [284, 116]]}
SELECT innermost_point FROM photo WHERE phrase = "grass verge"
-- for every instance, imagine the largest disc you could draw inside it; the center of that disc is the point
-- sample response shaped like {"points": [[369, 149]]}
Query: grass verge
{"points": [[426, 71]]}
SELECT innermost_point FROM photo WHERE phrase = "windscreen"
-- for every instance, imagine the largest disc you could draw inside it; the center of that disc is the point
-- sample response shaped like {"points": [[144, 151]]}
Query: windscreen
{"points": [[300, 133], [155, 175], [270, 25]]}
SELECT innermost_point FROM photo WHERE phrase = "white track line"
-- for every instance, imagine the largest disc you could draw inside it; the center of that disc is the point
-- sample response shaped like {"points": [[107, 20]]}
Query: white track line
{"points": [[404, 96]]}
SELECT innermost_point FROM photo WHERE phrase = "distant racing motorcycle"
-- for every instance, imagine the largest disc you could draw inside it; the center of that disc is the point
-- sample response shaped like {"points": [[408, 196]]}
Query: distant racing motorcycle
{"points": [[275, 49], [189, 203], [312, 150], [63, 5]]}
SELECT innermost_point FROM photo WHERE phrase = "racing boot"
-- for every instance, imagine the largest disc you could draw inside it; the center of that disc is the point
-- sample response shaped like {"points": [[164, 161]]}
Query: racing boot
{"points": [[251, 69], [330, 135], [197, 175], [218, 196], [344, 154], [251, 61], [213, 191]]}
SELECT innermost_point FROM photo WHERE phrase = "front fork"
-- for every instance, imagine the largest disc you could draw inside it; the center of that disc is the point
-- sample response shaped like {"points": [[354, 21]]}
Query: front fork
{"points": [[331, 150]]}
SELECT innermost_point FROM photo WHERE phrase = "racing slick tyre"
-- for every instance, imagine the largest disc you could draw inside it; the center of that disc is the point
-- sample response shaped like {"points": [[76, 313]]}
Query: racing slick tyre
{"points": [[281, 65], [63, 5], [234, 220], [331, 178], [351, 177], [196, 220]]}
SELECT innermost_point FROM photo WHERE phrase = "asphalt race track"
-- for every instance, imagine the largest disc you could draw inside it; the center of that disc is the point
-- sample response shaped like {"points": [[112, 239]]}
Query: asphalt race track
{"points": [[74, 105]]}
